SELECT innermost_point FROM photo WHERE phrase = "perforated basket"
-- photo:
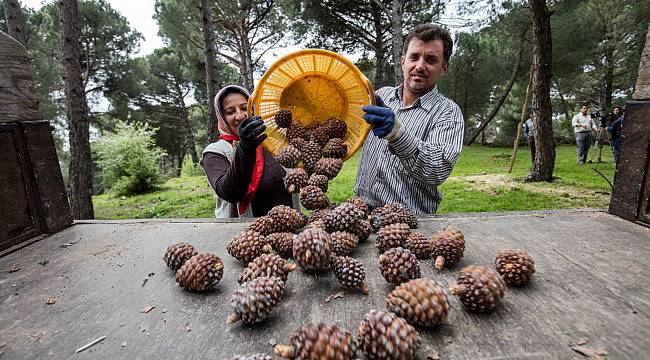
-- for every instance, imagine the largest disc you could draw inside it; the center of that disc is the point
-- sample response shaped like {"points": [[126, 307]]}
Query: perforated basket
{"points": [[314, 84]]}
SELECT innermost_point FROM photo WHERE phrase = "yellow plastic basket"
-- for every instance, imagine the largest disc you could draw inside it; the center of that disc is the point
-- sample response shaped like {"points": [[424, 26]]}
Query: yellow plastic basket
{"points": [[314, 84]]}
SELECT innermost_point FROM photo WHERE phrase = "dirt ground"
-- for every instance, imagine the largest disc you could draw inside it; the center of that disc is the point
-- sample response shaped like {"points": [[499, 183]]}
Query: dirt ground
{"points": [[491, 182]]}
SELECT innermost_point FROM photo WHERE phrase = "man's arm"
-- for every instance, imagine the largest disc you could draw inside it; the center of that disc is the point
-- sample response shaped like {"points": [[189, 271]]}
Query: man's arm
{"points": [[432, 160]]}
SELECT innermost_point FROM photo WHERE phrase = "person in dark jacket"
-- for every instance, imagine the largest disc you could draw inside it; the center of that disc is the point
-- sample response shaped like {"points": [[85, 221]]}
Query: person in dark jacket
{"points": [[247, 180], [615, 132]]}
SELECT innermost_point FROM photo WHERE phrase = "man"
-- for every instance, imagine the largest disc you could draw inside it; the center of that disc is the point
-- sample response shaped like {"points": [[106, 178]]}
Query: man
{"points": [[582, 126], [418, 133], [529, 133]]}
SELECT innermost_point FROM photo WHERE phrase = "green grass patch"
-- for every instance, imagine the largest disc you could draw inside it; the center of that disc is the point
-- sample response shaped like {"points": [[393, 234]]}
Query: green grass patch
{"points": [[479, 183]]}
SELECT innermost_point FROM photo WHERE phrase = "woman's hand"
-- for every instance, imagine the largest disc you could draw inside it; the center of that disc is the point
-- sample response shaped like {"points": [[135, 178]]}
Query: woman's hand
{"points": [[250, 133]]}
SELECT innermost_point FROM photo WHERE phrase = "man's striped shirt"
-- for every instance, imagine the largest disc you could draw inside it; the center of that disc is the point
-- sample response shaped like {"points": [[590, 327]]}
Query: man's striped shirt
{"points": [[409, 169]]}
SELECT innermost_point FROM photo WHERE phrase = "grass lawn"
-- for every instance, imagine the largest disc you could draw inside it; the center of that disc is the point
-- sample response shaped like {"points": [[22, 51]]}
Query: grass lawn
{"points": [[479, 183]]}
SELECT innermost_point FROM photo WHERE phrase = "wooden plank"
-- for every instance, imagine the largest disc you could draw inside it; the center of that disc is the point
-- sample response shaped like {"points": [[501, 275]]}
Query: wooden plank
{"points": [[642, 88], [18, 101], [52, 197], [632, 170], [590, 282]]}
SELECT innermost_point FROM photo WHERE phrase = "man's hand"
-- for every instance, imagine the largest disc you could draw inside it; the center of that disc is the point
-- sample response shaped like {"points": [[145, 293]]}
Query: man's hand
{"points": [[250, 133], [381, 117]]}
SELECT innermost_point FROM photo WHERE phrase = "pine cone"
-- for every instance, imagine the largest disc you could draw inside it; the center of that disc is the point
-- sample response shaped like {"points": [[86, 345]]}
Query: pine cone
{"points": [[343, 243], [363, 230], [382, 335], [320, 136], [319, 180], [391, 236], [335, 148], [267, 265], [360, 204], [404, 214], [419, 245], [283, 118], [281, 243], [344, 217], [479, 288], [247, 245], [336, 128], [296, 131], [289, 156], [253, 301], [295, 179], [383, 216], [349, 272], [287, 218], [264, 225], [312, 249], [447, 247], [177, 254], [421, 302], [201, 272], [399, 265], [311, 153], [312, 198], [329, 167], [515, 266], [319, 341]]}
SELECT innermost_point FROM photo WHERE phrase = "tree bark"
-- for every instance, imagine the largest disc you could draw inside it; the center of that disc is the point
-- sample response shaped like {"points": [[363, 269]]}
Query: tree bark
{"points": [[77, 109], [246, 61], [380, 53], [15, 22], [502, 98], [210, 66], [541, 104], [398, 40], [187, 125]]}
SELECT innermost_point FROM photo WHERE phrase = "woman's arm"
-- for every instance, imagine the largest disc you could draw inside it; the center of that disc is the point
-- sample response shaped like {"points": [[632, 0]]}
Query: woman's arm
{"points": [[229, 180]]}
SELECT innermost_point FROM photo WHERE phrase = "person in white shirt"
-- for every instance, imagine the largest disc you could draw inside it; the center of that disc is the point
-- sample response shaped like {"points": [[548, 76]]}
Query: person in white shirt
{"points": [[582, 126]]}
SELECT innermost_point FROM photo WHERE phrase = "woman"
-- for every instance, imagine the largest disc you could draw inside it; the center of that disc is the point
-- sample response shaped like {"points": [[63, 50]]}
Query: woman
{"points": [[247, 180]]}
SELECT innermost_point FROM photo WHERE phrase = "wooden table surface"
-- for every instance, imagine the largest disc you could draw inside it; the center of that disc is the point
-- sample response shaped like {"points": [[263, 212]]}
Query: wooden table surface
{"points": [[591, 282]]}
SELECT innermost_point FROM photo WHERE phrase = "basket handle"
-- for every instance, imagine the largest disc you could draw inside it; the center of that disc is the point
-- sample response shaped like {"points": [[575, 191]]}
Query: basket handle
{"points": [[249, 105], [371, 91]]}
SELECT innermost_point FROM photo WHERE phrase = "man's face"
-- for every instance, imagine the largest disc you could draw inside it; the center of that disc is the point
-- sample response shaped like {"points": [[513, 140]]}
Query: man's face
{"points": [[584, 110], [423, 65]]}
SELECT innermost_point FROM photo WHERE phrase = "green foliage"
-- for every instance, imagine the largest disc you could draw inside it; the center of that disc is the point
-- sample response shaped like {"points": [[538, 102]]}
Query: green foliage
{"points": [[129, 159], [190, 169]]}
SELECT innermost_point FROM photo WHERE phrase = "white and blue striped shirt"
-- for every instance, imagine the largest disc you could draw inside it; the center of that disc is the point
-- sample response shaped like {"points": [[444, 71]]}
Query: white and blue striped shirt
{"points": [[409, 169]]}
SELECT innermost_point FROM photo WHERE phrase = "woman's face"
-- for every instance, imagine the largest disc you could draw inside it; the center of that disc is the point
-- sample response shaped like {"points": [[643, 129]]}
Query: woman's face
{"points": [[234, 111], [616, 111]]}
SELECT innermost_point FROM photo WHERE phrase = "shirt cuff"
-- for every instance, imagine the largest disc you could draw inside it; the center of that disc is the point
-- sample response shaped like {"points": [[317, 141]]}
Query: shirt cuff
{"points": [[403, 144]]}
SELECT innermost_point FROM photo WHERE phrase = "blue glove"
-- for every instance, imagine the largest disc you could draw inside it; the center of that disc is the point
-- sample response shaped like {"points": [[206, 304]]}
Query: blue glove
{"points": [[381, 117]]}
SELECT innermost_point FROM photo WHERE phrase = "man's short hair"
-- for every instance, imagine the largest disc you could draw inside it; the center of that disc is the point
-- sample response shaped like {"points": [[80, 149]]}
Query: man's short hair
{"points": [[430, 32], [584, 104]]}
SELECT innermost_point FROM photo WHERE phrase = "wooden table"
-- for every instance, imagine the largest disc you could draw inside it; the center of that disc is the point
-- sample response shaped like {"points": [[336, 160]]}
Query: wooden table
{"points": [[591, 282]]}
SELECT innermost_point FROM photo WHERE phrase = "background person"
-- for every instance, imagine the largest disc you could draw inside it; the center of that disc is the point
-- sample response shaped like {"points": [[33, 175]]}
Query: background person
{"points": [[582, 127]]}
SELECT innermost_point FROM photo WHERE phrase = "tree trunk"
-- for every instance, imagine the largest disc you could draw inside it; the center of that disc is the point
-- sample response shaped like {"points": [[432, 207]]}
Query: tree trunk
{"points": [[541, 105], [380, 53], [398, 40], [77, 108], [609, 79], [522, 120], [210, 76], [502, 98], [185, 122], [246, 54], [15, 23]]}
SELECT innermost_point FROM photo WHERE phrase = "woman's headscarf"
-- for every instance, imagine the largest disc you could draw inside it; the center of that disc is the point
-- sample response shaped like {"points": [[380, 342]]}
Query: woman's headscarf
{"points": [[227, 135]]}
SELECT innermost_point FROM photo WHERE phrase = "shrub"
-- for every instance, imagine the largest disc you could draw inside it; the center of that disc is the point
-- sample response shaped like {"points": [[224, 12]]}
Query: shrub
{"points": [[190, 169], [129, 159]]}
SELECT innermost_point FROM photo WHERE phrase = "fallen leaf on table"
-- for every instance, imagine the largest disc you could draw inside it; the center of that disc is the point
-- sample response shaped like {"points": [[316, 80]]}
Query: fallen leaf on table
{"points": [[51, 300], [13, 269], [43, 262], [434, 355], [582, 341], [338, 295], [188, 327], [147, 309]]}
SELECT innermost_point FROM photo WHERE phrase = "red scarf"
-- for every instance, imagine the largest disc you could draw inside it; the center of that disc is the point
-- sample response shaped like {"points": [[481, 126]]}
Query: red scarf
{"points": [[258, 171]]}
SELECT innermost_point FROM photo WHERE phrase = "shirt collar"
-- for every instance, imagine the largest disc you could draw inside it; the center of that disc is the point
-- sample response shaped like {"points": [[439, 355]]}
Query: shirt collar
{"points": [[425, 101]]}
